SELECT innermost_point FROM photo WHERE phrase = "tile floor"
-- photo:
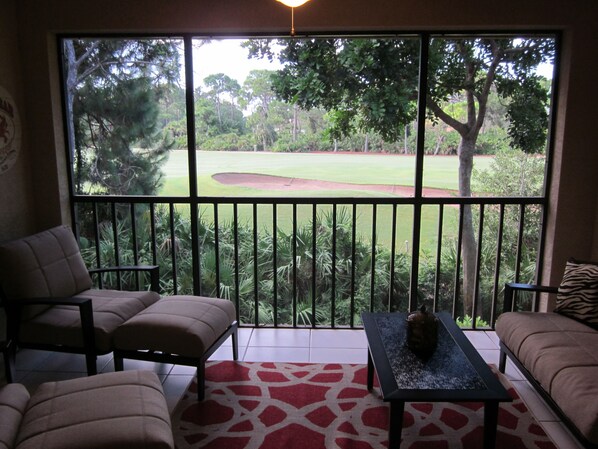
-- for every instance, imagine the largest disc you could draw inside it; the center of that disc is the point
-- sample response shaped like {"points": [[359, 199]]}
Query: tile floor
{"points": [[280, 345]]}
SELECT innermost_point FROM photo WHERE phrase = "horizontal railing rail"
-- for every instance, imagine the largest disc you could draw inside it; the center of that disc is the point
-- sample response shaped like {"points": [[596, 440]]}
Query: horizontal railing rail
{"points": [[319, 261], [141, 199]]}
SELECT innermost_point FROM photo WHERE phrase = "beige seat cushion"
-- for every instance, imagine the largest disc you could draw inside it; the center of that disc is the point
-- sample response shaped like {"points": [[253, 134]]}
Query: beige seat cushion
{"points": [[62, 324], [47, 264], [115, 410], [562, 355], [13, 402], [183, 325]]}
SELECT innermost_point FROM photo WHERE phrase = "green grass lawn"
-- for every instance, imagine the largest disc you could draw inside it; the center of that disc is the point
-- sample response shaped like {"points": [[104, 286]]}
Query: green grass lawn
{"points": [[439, 172], [359, 168]]}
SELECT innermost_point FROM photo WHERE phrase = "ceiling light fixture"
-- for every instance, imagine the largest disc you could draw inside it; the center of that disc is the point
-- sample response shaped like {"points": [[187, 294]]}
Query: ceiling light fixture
{"points": [[293, 4]]}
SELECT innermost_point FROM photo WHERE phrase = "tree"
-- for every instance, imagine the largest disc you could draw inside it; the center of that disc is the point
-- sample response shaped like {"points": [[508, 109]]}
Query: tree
{"points": [[258, 93], [511, 173], [372, 85], [112, 90], [219, 84], [110, 125], [210, 121]]}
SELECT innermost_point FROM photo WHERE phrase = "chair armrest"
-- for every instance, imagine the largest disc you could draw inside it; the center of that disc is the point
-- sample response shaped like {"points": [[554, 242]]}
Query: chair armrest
{"points": [[511, 287], [57, 301], [153, 270], [14, 306]]}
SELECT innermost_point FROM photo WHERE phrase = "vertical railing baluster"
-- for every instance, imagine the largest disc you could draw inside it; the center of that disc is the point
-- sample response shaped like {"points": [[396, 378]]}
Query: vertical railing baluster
{"points": [[116, 246], [135, 248], [476, 290], [236, 255], [198, 250], [153, 233], [393, 251], [373, 256], [333, 280], [173, 247], [96, 232], [275, 263], [314, 233], [217, 249], [438, 257], [294, 264], [153, 245], [353, 255], [495, 288], [255, 268]]}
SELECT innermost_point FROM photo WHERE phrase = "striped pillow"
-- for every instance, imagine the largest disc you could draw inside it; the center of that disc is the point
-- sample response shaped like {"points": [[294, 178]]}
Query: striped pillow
{"points": [[577, 296]]}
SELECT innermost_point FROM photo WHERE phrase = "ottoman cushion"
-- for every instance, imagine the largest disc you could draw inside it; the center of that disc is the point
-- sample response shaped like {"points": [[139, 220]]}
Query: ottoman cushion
{"points": [[113, 410], [182, 325]]}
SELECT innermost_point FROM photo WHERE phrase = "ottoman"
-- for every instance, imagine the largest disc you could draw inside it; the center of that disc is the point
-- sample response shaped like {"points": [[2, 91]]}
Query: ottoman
{"points": [[114, 410], [183, 330]]}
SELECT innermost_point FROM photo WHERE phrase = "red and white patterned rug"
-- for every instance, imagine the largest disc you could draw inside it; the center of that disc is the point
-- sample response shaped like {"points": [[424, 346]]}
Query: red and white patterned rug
{"points": [[323, 406]]}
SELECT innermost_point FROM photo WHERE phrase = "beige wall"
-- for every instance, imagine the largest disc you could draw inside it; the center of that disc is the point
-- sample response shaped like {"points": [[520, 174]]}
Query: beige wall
{"points": [[17, 213], [573, 208]]}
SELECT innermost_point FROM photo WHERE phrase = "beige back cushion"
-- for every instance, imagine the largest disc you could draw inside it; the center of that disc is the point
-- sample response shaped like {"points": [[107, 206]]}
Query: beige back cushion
{"points": [[47, 264]]}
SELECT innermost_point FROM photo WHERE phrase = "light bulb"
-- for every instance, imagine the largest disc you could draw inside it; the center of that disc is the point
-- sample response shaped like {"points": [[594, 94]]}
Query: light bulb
{"points": [[293, 3]]}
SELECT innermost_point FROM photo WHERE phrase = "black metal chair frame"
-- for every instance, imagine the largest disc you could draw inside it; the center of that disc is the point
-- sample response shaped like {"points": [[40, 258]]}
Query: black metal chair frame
{"points": [[509, 304], [14, 308], [9, 363]]}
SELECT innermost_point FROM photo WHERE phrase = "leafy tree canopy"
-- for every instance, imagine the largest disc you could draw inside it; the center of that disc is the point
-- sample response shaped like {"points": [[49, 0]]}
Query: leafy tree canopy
{"points": [[113, 90], [366, 84], [110, 125], [372, 84]]}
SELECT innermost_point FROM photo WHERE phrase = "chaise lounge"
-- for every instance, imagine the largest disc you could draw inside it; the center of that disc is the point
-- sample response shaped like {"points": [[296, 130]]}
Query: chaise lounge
{"points": [[51, 305]]}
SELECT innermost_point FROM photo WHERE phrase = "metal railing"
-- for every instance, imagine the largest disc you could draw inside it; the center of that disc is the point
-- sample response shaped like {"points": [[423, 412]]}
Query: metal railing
{"points": [[318, 262]]}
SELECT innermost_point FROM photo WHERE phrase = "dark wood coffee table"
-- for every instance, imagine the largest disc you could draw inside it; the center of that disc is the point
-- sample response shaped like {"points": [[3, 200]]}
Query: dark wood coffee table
{"points": [[454, 373]]}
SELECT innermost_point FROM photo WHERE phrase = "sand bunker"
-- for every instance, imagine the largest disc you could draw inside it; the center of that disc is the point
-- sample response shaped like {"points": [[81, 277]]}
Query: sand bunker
{"points": [[269, 182]]}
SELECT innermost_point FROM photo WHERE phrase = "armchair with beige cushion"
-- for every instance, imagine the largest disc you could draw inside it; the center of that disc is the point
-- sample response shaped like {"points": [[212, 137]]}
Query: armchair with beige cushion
{"points": [[47, 292]]}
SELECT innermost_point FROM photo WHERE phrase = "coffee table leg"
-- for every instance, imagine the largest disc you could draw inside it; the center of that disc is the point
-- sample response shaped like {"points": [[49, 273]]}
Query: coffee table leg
{"points": [[370, 379], [490, 424], [395, 426]]}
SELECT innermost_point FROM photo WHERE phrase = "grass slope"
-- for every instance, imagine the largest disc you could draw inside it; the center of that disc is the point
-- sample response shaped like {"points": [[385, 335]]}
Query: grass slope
{"points": [[358, 168]]}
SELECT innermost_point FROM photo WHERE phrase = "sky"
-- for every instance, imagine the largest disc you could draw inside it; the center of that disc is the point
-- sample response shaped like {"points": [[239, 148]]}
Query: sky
{"points": [[228, 57]]}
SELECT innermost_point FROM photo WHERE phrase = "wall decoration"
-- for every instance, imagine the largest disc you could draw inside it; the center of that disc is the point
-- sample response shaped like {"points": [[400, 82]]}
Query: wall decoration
{"points": [[10, 131]]}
